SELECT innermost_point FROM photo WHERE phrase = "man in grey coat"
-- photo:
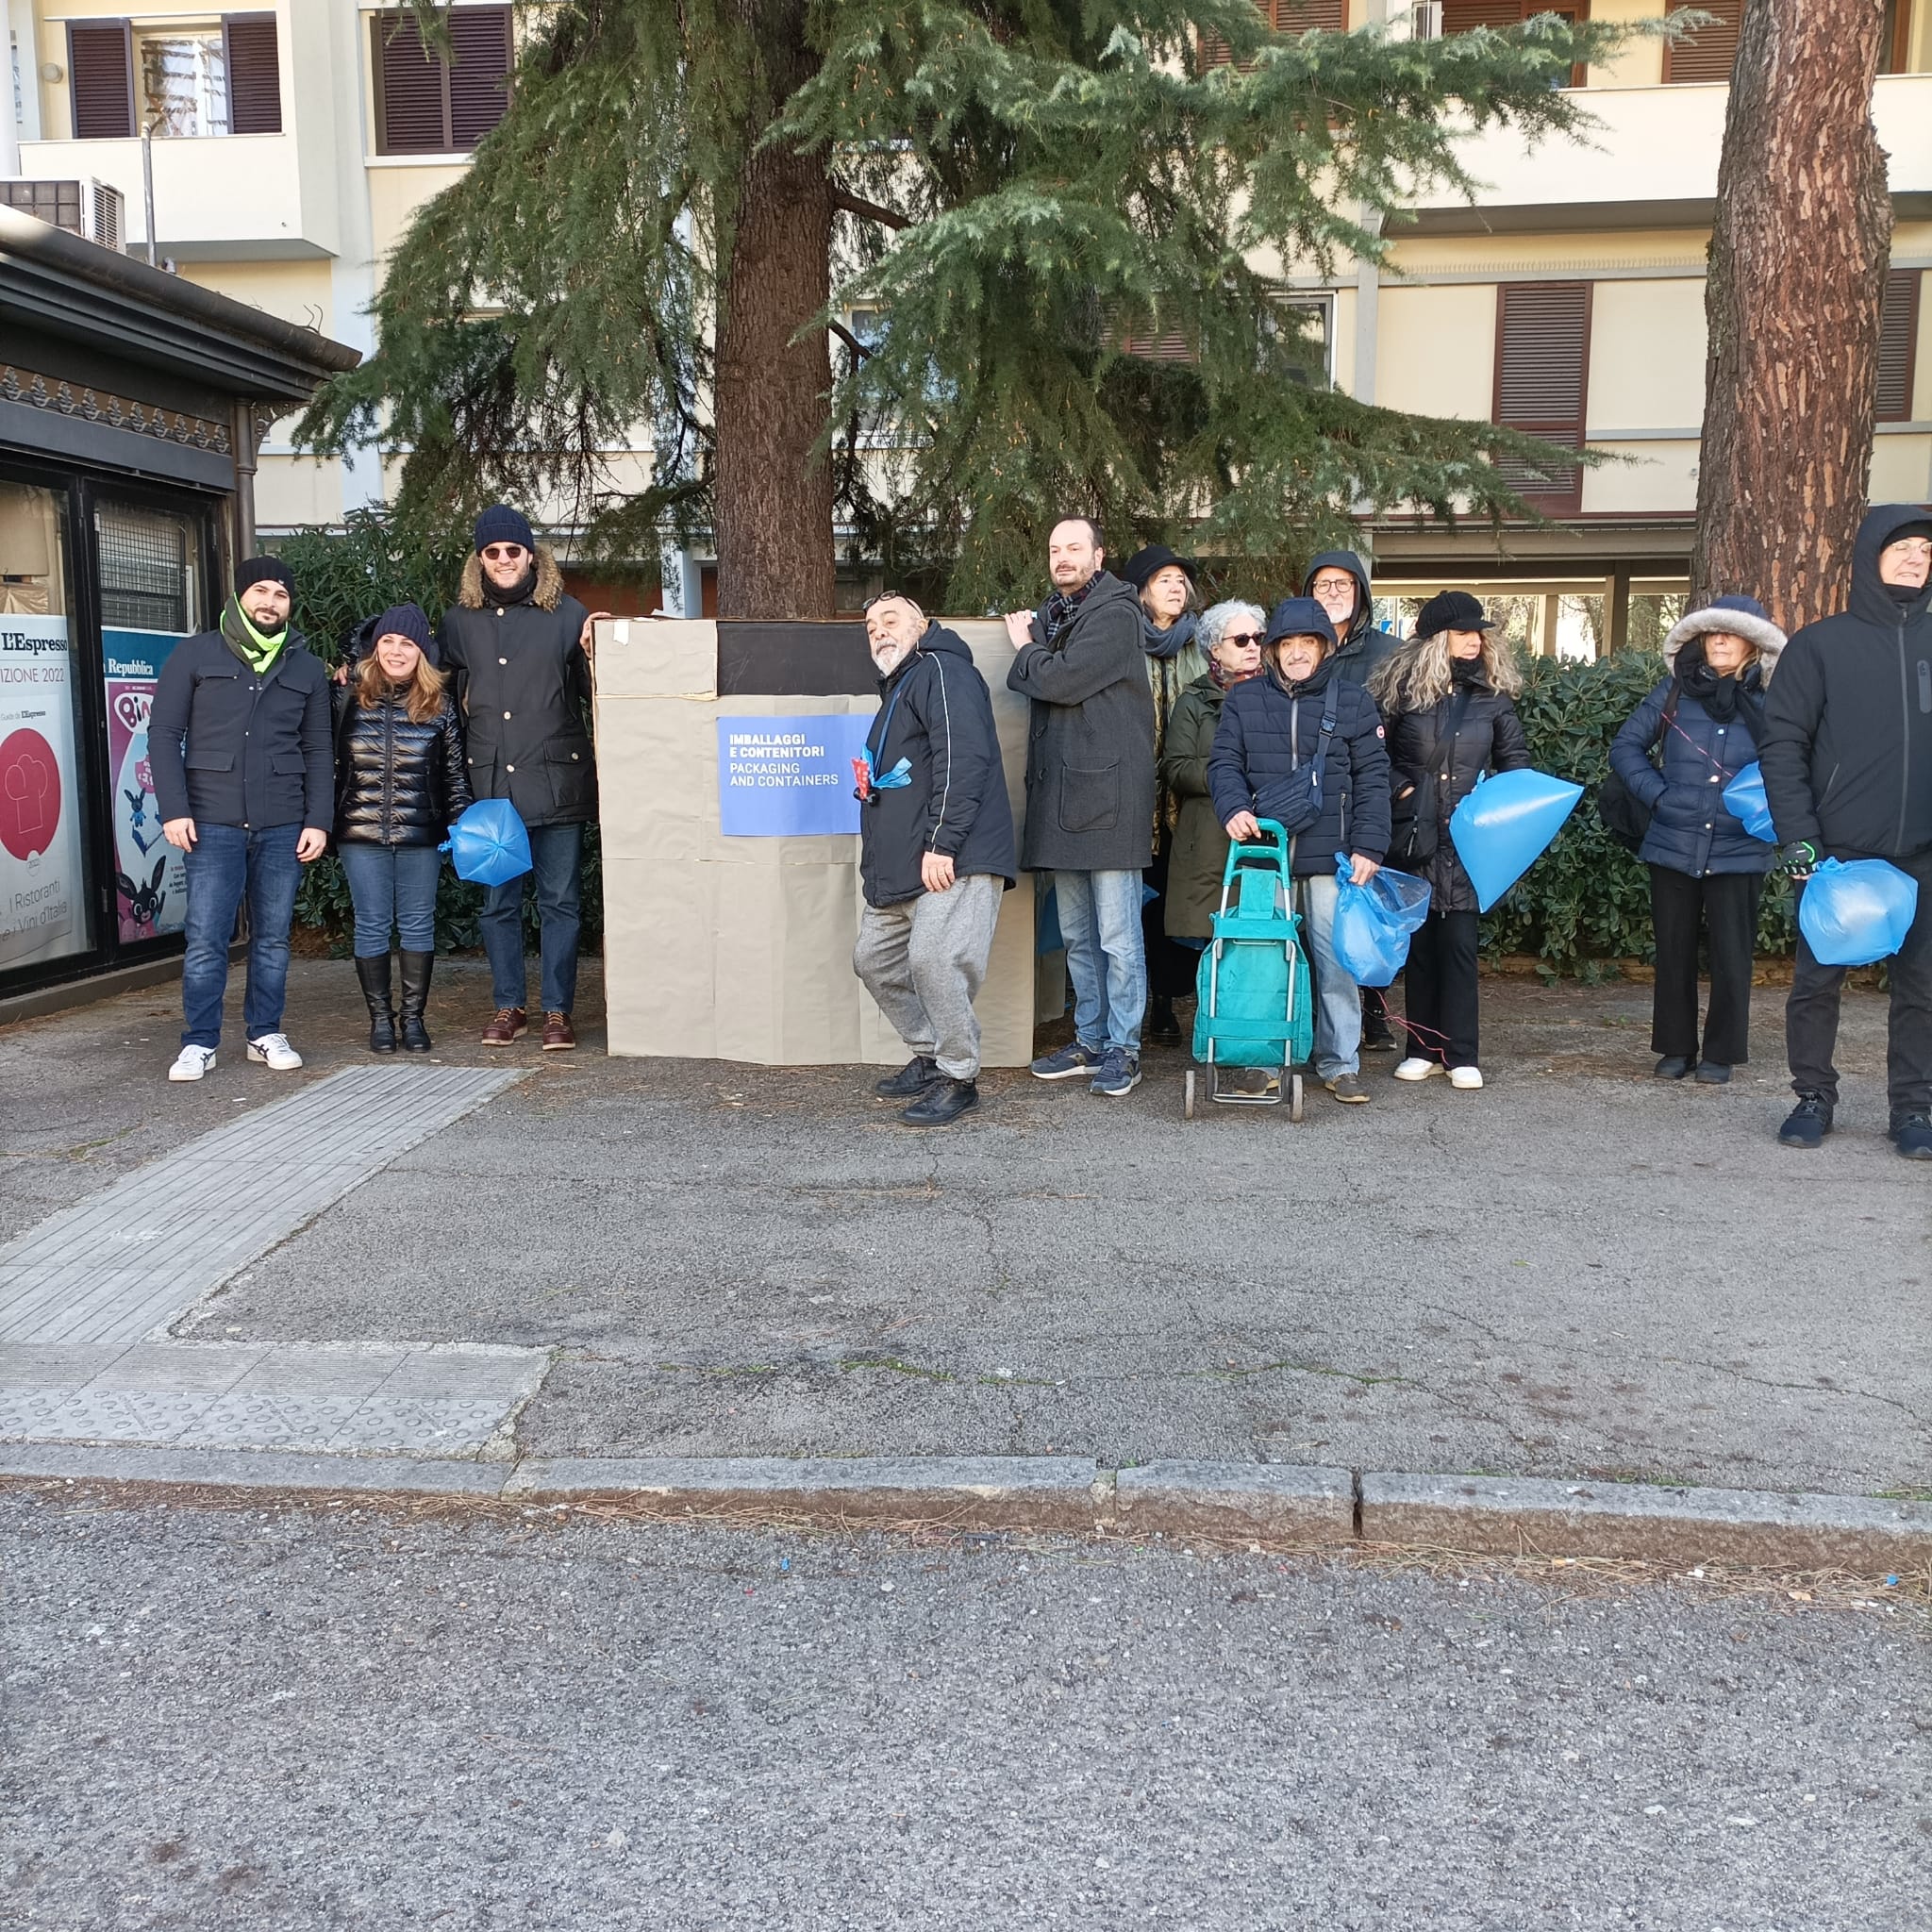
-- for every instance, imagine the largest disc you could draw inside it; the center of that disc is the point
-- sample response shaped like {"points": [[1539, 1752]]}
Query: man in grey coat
{"points": [[1090, 796]]}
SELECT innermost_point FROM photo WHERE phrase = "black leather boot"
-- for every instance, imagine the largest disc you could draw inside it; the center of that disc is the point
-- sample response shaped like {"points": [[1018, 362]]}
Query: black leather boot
{"points": [[373, 974], [416, 970]]}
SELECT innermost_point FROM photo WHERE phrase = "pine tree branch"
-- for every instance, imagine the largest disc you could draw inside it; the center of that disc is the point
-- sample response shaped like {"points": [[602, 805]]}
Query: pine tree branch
{"points": [[848, 203], [849, 340]]}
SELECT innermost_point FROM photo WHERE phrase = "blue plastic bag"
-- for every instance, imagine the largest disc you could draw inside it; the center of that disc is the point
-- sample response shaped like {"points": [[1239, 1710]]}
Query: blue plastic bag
{"points": [[1505, 824], [1857, 913], [1373, 923], [488, 845], [1745, 801]]}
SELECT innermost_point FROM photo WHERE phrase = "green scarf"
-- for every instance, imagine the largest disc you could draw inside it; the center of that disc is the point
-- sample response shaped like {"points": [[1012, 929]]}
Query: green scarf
{"points": [[248, 643]]}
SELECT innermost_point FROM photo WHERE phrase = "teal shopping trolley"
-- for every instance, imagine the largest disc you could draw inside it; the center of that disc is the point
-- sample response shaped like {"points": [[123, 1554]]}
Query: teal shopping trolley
{"points": [[1253, 1018]]}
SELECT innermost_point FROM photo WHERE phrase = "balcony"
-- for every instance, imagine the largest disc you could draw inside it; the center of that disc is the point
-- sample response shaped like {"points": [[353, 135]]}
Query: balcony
{"points": [[223, 198], [1650, 162]]}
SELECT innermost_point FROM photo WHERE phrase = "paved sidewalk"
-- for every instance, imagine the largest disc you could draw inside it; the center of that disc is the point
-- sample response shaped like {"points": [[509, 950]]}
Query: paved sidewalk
{"points": [[1577, 1272]]}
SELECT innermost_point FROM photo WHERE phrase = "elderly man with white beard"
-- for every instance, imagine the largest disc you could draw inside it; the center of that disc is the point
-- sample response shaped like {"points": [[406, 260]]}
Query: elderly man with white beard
{"points": [[935, 853]]}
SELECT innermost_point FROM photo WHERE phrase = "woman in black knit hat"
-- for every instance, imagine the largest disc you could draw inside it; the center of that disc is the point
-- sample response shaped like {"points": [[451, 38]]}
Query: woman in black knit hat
{"points": [[400, 782]]}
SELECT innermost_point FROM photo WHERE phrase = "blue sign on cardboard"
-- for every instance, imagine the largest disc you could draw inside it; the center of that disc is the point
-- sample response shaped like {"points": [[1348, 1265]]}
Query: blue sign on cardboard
{"points": [[787, 777]]}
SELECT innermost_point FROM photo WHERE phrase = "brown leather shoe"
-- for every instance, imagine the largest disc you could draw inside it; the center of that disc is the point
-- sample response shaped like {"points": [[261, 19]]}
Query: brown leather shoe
{"points": [[510, 1024], [559, 1036]]}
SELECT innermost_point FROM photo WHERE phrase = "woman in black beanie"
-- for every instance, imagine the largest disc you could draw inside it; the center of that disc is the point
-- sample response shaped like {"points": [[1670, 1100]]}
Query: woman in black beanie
{"points": [[400, 782], [1446, 701]]}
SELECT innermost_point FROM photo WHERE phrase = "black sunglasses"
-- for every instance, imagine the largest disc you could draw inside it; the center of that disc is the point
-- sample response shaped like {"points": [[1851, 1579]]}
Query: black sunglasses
{"points": [[1242, 637]]}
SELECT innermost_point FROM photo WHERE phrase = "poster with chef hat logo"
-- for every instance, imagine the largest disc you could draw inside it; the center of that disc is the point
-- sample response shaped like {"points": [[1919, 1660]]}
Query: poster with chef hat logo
{"points": [[40, 827]]}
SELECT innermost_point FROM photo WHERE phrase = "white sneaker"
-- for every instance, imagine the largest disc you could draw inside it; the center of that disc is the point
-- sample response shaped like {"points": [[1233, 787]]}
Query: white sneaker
{"points": [[1465, 1079], [1413, 1069], [272, 1050], [192, 1062]]}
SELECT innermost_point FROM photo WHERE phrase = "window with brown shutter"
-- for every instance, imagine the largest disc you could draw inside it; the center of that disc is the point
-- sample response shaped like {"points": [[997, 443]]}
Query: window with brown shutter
{"points": [[1542, 381], [100, 72], [1710, 52], [1465, 16], [424, 104], [477, 97], [1285, 17], [1898, 342], [254, 73]]}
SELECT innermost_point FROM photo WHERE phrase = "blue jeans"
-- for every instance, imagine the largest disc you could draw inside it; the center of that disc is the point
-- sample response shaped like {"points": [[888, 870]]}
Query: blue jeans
{"points": [[1106, 958], [557, 853], [1338, 998], [392, 885], [226, 861]]}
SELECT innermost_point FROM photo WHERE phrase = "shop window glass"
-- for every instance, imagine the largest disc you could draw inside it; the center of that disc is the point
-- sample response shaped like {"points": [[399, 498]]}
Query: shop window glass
{"points": [[44, 899], [151, 597]]}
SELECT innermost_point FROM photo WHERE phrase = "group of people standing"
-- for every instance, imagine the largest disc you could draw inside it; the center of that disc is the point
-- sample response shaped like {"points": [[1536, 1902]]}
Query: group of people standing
{"points": [[1160, 735], [261, 762]]}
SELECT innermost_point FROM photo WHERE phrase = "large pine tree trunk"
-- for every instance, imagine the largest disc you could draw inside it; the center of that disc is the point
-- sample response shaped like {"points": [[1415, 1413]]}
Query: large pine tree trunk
{"points": [[1798, 259], [774, 497]]}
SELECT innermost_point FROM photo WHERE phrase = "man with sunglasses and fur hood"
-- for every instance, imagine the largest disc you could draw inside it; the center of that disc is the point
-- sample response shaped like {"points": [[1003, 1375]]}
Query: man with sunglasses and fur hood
{"points": [[519, 648]]}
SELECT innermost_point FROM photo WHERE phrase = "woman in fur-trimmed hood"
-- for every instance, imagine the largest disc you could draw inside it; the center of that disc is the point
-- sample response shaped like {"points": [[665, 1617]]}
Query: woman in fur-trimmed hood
{"points": [[1677, 754], [518, 646]]}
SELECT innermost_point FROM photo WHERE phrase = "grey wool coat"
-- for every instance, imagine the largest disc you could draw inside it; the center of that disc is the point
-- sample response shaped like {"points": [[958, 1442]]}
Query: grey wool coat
{"points": [[1090, 748]]}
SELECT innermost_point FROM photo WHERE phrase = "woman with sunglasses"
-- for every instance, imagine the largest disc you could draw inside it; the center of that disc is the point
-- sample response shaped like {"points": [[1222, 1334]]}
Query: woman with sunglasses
{"points": [[519, 648], [1231, 635]]}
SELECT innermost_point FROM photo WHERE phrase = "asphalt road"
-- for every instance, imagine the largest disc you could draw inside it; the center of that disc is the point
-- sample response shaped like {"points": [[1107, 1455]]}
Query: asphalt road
{"points": [[1577, 1272], [274, 1719]]}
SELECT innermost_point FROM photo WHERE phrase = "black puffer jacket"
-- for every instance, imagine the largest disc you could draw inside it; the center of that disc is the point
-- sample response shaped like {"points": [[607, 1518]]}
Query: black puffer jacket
{"points": [[1269, 730], [1488, 738], [397, 782], [935, 712], [524, 688], [1847, 748]]}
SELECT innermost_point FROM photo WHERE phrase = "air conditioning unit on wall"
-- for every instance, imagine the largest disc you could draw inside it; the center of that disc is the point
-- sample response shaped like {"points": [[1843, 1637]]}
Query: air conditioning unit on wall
{"points": [[92, 208]]}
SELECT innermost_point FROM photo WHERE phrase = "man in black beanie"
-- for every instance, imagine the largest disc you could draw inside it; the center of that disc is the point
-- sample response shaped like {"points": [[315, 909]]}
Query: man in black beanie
{"points": [[518, 648], [244, 782], [1847, 760]]}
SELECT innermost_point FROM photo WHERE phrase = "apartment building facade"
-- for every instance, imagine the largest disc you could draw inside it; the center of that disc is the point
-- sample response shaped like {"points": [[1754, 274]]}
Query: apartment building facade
{"points": [[290, 144]]}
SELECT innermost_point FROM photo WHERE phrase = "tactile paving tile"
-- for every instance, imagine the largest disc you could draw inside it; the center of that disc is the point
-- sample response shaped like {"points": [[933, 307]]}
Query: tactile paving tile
{"points": [[139, 1252], [107, 1415]]}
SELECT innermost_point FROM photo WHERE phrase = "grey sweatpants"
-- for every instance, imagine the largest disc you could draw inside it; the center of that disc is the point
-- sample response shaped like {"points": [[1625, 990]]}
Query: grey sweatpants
{"points": [[923, 960]]}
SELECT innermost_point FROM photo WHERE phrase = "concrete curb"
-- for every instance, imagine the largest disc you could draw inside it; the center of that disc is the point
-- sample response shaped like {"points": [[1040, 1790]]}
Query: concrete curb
{"points": [[1758, 1528], [1274, 1503], [966, 1492]]}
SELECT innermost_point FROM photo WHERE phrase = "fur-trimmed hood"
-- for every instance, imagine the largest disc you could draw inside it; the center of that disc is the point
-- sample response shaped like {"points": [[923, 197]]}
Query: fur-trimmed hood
{"points": [[1741, 617], [546, 596]]}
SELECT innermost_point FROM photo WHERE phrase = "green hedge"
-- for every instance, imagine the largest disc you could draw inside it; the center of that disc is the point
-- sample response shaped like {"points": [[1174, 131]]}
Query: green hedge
{"points": [[1587, 901], [341, 579]]}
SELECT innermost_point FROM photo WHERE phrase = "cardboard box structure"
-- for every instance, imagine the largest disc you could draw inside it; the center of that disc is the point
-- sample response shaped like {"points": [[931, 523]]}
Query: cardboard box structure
{"points": [[740, 948]]}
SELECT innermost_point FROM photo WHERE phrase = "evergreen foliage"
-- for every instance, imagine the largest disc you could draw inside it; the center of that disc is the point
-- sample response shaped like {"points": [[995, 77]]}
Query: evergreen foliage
{"points": [[1026, 189]]}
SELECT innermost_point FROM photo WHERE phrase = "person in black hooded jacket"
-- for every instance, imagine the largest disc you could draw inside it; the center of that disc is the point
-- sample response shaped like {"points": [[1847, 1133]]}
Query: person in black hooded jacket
{"points": [[935, 855], [1848, 763], [1338, 581], [1295, 717]]}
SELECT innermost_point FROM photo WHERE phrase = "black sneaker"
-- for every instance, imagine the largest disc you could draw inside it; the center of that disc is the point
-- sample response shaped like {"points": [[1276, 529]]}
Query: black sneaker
{"points": [[1674, 1066], [1808, 1123], [942, 1103], [1119, 1072], [1066, 1062], [1912, 1136], [1377, 1038], [911, 1081]]}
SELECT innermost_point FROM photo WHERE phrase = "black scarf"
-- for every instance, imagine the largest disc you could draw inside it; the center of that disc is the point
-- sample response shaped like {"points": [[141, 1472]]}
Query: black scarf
{"points": [[519, 592], [1718, 696], [1467, 674]]}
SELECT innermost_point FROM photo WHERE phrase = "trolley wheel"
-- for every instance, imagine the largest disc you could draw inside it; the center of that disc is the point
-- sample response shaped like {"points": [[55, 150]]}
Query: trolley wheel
{"points": [[1294, 1098], [1188, 1101]]}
